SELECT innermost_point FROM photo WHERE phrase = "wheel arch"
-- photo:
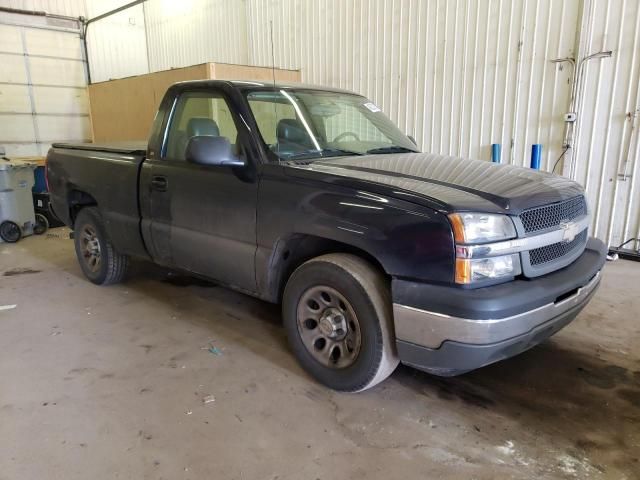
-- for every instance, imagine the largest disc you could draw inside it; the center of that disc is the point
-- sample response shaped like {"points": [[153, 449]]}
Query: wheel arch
{"points": [[294, 250], [76, 201]]}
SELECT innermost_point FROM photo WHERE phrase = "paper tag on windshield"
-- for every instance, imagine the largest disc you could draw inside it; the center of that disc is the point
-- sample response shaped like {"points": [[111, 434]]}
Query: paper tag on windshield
{"points": [[372, 106]]}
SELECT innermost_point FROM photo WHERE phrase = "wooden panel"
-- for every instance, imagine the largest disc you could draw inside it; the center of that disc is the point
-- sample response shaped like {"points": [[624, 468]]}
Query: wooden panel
{"points": [[124, 109], [227, 71], [29, 160]]}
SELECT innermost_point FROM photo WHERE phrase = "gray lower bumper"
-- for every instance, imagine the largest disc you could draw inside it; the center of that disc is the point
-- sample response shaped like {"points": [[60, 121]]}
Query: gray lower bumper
{"points": [[448, 331], [455, 358], [432, 329]]}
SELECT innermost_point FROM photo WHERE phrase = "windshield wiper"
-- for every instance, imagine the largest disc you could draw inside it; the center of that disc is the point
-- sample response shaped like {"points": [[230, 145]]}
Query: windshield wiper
{"points": [[391, 149], [324, 153]]}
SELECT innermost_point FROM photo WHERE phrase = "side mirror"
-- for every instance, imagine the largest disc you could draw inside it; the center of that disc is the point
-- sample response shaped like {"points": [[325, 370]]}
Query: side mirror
{"points": [[206, 150], [410, 137]]}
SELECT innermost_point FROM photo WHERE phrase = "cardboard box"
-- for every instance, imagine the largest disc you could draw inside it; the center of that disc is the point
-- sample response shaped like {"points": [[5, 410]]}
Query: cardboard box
{"points": [[124, 109]]}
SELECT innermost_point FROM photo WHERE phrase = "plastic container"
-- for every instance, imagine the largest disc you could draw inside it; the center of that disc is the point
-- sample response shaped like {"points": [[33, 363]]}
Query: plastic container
{"points": [[16, 201]]}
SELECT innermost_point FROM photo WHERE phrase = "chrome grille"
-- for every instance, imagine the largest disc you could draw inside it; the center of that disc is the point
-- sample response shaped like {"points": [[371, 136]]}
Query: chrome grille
{"points": [[550, 216], [549, 253]]}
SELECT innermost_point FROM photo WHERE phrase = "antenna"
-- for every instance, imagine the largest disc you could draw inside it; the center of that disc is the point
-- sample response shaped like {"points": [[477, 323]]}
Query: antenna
{"points": [[273, 72], [273, 55]]}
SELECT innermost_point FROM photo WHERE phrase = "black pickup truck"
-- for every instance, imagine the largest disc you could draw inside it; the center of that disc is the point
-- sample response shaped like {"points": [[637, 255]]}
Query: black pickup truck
{"points": [[311, 197]]}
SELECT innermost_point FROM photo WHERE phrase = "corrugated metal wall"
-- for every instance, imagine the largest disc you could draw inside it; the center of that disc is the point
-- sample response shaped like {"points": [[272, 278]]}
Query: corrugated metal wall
{"points": [[70, 8], [607, 154], [182, 33], [117, 45]]}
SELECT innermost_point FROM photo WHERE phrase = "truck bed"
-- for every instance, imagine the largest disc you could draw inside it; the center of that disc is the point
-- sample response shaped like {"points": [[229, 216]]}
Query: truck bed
{"points": [[105, 175]]}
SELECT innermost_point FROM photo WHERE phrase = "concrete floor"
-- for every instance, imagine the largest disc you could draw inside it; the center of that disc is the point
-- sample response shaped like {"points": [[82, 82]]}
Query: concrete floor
{"points": [[109, 382]]}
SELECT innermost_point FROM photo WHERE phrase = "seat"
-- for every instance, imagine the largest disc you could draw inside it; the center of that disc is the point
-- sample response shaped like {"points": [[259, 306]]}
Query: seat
{"points": [[292, 136], [202, 126], [196, 126]]}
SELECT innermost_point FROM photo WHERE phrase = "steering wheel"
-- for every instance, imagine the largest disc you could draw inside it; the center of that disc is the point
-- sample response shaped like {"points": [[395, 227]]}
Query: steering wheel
{"points": [[346, 134]]}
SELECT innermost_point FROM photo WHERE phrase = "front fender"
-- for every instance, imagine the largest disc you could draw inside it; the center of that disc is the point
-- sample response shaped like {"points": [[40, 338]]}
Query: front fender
{"points": [[408, 240]]}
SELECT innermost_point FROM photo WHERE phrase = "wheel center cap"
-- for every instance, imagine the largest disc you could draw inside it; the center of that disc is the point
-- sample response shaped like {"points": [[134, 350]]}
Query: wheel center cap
{"points": [[332, 323]]}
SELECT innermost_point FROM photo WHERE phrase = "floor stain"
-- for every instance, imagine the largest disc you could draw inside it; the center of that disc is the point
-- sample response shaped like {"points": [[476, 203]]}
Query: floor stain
{"points": [[606, 377], [20, 271]]}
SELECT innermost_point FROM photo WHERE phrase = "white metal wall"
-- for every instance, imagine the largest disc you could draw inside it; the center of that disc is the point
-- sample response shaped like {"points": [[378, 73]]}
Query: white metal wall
{"points": [[43, 98], [70, 8], [607, 155], [117, 45], [182, 33]]}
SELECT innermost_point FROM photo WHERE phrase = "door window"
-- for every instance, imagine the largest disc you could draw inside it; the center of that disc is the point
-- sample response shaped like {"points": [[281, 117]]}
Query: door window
{"points": [[199, 114]]}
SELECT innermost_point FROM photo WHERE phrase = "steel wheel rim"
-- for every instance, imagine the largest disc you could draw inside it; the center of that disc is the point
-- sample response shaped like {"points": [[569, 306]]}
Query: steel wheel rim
{"points": [[329, 327], [90, 248]]}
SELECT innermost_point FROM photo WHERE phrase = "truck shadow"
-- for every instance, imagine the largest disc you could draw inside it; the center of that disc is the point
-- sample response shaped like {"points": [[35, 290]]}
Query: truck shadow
{"points": [[238, 318], [580, 399]]}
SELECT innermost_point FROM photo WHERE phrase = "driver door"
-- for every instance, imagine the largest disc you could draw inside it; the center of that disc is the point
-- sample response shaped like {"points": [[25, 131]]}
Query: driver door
{"points": [[203, 217]]}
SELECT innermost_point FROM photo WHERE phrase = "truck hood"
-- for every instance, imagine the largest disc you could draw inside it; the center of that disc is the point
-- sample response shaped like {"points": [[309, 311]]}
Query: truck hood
{"points": [[447, 183]]}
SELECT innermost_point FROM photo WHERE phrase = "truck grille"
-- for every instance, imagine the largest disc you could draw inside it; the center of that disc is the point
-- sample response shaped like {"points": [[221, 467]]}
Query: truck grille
{"points": [[549, 253], [551, 216]]}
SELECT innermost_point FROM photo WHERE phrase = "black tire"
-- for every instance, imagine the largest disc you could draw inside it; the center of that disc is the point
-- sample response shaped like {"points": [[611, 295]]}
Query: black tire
{"points": [[42, 224], [10, 231], [368, 297], [111, 266]]}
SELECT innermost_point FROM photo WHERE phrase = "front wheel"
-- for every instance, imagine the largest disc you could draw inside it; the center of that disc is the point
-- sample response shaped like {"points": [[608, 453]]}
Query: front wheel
{"points": [[99, 261], [338, 317]]}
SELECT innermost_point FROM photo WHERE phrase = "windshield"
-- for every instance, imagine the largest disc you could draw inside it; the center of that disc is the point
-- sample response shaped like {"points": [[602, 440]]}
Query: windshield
{"points": [[311, 124]]}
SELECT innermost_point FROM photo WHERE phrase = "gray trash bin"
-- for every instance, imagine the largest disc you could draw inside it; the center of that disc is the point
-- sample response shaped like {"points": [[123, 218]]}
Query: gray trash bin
{"points": [[16, 199]]}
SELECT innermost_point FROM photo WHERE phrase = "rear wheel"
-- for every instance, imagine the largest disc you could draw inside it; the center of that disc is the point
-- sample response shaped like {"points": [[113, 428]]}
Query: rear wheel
{"points": [[337, 313], [99, 261]]}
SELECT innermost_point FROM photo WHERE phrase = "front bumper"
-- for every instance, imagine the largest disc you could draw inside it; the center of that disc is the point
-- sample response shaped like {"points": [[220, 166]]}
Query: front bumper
{"points": [[449, 331]]}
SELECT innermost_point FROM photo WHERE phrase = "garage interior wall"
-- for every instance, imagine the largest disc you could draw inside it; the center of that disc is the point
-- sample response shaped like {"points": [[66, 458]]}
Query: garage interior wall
{"points": [[116, 45], [459, 75], [42, 82]]}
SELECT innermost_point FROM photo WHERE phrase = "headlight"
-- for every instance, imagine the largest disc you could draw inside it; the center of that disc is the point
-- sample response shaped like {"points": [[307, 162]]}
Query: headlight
{"points": [[492, 268], [481, 227]]}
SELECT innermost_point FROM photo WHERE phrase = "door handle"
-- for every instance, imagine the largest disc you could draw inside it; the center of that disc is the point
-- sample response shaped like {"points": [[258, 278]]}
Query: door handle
{"points": [[159, 183]]}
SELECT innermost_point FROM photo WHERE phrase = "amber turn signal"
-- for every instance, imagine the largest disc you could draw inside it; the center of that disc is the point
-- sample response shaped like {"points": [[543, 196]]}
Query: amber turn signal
{"points": [[463, 271], [458, 227]]}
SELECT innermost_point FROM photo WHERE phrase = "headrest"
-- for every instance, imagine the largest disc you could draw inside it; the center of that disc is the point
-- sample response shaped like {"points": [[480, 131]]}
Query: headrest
{"points": [[291, 130], [202, 126]]}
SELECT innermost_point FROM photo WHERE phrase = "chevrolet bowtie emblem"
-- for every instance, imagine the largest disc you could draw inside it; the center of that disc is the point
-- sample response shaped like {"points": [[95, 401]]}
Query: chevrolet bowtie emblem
{"points": [[569, 231]]}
